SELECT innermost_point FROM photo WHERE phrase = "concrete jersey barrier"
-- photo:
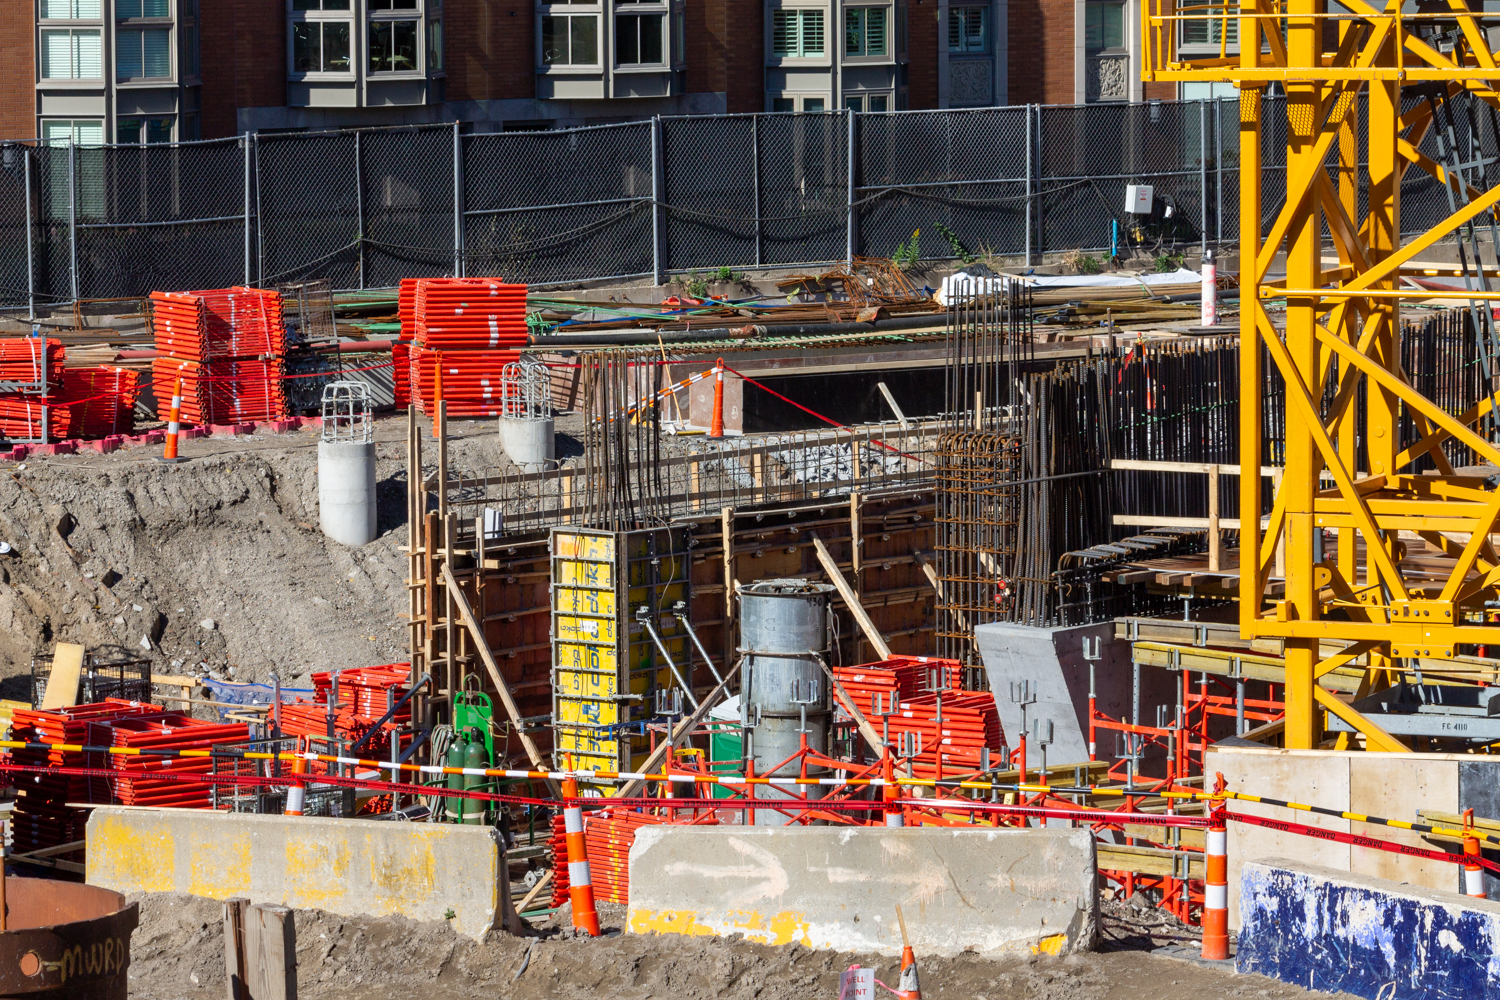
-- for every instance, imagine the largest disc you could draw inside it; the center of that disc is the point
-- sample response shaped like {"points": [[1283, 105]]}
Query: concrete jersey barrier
{"points": [[343, 866], [982, 890], [1329, 930]]}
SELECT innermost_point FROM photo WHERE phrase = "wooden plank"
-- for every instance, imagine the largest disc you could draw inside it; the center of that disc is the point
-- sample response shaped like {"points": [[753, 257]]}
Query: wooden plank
{"points": [[467, 614], [236, 970], [851, 600], [271, 952], [62, 682], [534, 891], [1149, 861]]}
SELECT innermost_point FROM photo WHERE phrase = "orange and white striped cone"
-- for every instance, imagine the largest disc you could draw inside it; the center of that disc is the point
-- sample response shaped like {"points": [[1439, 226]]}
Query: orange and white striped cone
{"points": [[174, 425], [296, 794], [1216, 888], [1473, 873], [907, 987], [716, 422], [580, 881]]}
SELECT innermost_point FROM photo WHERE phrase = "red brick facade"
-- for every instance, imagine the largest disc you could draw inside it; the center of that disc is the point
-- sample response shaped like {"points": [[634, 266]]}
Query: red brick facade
{"points": [[489, 49], [17, 93], [243, 57], [726, 52], [1041, 52], [922, 40]]}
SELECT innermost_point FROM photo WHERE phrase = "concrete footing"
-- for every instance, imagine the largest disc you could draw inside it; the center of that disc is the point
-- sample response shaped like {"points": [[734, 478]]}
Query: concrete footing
{"points": [[1327, 930], [991, 892]]}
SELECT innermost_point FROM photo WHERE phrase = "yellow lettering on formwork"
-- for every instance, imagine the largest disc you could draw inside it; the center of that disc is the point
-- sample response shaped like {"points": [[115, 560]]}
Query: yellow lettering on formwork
{"points": [[102, 959], [785, 927], [1052, 944]]}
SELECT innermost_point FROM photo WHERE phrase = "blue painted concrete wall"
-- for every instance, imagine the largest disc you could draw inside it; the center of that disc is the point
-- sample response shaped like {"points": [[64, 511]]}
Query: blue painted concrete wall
{"points": [[1332, 931]]}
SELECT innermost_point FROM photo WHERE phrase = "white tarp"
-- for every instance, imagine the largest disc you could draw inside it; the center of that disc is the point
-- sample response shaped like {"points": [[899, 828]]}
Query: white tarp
{"points": [[971, 284]]}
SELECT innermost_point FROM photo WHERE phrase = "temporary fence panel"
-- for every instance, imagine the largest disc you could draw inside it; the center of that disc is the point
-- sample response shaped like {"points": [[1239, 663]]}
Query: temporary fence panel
{"points": [[656, 198]]}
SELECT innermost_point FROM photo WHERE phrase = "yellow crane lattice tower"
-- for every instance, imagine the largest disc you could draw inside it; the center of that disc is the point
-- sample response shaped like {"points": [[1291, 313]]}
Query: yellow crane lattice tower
{"points": [[1336, 62]]}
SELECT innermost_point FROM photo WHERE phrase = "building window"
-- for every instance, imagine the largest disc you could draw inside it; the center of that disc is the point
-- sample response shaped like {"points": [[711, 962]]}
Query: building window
{"points": [[127, 9], [811, 105], [854, 103], [807, 105], [797, 33], [880, 102], [81, 133], [638, 39], [393, 46], [71, 54], [1212, 29], [1104, 27], [132, 131], [320, 46], [570, 41], [968, 29], [783, 104], [71, 10], [435, 45], [144, 54], [312, 5], [865, 31]]}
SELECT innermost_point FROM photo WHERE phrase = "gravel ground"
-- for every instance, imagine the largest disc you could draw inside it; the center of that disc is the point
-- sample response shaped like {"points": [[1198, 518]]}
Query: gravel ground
{"points": [[216, 563], [177, 954]]}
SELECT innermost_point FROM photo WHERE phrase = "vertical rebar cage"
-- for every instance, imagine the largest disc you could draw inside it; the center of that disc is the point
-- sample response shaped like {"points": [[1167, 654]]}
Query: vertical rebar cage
{"points": [[346, 412], [527, 389]]}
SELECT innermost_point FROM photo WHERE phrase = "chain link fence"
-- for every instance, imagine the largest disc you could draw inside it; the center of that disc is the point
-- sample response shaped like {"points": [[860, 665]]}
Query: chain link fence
{"points": [[649, 199]]}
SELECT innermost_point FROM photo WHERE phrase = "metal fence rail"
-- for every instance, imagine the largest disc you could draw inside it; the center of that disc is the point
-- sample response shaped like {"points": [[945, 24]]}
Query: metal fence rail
{"points": [[363, 209]]}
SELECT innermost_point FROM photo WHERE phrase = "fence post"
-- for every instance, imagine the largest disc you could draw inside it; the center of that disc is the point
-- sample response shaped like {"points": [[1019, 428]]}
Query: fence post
{"points": [[755, 179], [73, 216], [1203, 176], [1029, 171], [1219, 166], [850, 234], [245, 142], [30, 237], [656, 199], [458, 202], [260, 219], [359, 203]]}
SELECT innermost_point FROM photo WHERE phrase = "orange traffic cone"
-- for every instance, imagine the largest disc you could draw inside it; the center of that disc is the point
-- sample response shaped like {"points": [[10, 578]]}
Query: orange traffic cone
{"points": [[907, 987]]}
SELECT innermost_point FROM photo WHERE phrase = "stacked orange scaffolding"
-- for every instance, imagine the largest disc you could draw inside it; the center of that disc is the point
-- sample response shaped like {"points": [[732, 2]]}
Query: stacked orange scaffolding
{"points": [[476, 326], [139, 784], [228, 346], [27, 360], [924, 696]]}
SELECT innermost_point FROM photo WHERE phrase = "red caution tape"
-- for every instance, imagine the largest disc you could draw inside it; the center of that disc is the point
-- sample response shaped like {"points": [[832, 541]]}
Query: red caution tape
{"points": [[1358, 841]]}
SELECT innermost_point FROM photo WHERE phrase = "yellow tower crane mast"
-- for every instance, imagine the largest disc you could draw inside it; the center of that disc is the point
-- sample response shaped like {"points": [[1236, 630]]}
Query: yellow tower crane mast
{"points": [[1342, 316]]}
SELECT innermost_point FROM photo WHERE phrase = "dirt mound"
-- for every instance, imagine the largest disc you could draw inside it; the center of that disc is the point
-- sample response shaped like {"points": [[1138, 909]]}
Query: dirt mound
{"points": [[177, 954], [217, 561]]}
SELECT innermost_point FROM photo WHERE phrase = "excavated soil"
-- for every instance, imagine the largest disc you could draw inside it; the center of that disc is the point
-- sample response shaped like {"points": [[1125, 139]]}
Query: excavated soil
{"points": [[214, 564], [177, 954]]}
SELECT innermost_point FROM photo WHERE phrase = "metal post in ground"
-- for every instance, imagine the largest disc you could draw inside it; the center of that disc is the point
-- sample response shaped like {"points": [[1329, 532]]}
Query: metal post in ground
{"points": [[1028, 184], [458, 202], [359, 209], [1203, 176], [73, 217], [246, 142], [850, 234], [30, 238], [1219, 167], [260, 236], [755, 179], [656, 198]]}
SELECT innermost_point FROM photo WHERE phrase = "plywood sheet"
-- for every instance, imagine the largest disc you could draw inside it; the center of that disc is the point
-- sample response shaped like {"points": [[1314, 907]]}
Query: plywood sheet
{"points": [[62, 683], [1297, 776], [1395, 788]]}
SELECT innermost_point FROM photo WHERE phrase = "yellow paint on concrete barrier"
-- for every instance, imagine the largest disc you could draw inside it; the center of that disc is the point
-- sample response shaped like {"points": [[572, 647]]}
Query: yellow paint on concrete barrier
{"points": [[130, 854], [348, 867], [1052, 945], [786, 927]]}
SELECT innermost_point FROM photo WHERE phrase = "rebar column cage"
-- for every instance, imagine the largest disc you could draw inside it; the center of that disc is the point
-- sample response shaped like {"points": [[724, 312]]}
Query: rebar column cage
{"points": [[1348, 599], [526, 388], [346, 412]]}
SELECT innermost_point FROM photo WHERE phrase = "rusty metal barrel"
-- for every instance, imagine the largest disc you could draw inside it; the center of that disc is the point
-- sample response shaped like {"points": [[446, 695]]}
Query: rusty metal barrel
{"points": [[65, 941]]}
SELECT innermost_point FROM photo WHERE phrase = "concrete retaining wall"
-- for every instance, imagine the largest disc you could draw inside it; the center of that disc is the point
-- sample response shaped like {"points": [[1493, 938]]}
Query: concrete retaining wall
{"points": [[1326, 930], [989, 891], [1390, 785], [345, 866]]}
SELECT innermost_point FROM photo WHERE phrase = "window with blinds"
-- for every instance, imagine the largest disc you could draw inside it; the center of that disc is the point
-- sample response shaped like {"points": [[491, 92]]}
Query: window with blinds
{"points": [[1211, 29], [144, 54], [71, 54], [865, 31], [128, 9], [70, 10], [967, 29], [797, 33]]}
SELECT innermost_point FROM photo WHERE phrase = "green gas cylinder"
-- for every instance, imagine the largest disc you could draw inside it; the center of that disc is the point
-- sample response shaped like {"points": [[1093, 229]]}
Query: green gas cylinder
{"points": [[452, 805], [475, 757]]}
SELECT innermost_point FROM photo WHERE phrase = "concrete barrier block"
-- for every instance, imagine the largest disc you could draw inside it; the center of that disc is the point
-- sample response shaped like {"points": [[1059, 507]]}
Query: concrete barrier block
{"points": [[1328, 930], [106, 444], [346, 866], [194, 433], [230, 430], [987, 891]]}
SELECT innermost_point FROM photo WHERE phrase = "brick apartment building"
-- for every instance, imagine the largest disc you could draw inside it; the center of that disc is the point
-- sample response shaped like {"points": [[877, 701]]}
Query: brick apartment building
{"points": [[123, 71]]}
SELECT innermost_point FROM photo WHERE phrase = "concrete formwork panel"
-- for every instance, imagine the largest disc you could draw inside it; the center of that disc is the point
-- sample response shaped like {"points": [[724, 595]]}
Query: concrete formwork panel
{"points": [[988, 891], [1327, 930], [344, 866]]}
